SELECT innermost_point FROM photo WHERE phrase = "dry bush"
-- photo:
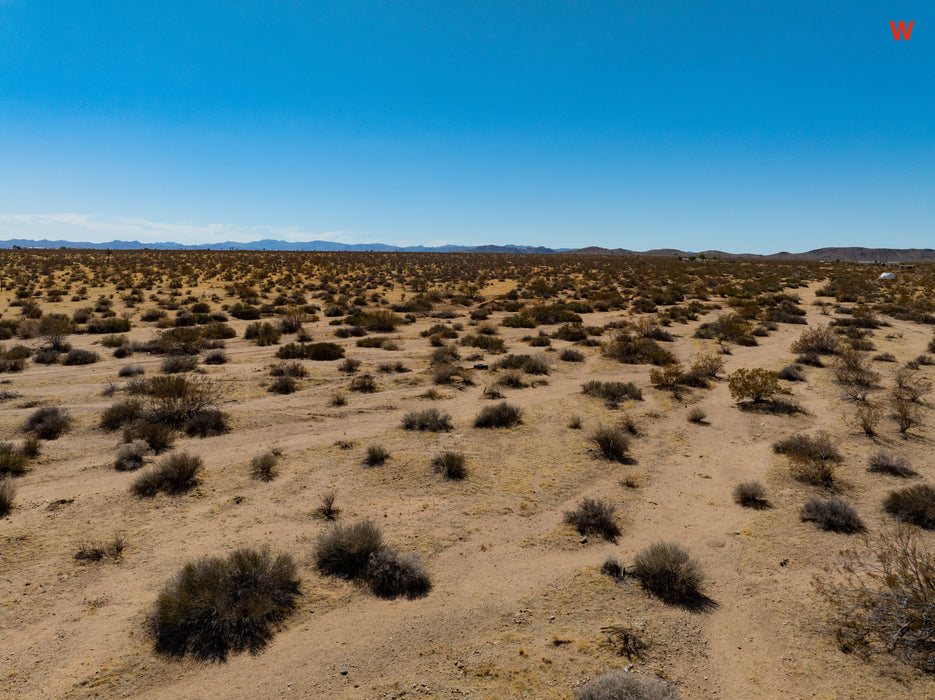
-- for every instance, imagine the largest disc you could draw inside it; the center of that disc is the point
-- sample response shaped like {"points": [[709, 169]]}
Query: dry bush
{"points": [[853, 368], [812, 458], [131, 456], [792, 373], [130, 371], [7, 494], [634, 350], [500, 415], [832, 515], [48, 423], [76, 356], [350, 365], [708, 365], [176, 364], [429, 419], [612, 392], [882, 463], [914, 505], [13, 460], [326, 509], [818, 341], [208, 423], [668, 572], [364, 384], [263, 334], [98, 551], [571, 355], [344, 550], [392, 575], [450, 464], [263, 467], [376, 456], [594, 517], [751, 494], [283, 385], [215, 357], [612, 443], [621, 685], [614, 569], [906, 414], [175, 474], [696, 414], [215, 606], [526, 363], [868, 417], [158, 436], [910, 386], [883, 598]]}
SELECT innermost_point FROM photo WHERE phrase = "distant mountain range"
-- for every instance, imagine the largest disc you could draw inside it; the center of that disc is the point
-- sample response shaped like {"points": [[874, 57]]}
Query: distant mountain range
{"points": [[829, 254]]}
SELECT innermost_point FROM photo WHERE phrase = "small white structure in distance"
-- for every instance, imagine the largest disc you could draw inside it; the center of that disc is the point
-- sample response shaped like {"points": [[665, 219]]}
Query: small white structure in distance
{"points": [[887, 276]]}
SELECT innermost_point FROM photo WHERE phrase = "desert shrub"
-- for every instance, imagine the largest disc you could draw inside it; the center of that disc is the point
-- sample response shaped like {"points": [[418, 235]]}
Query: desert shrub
{"points": [[283, 385], [159, 436], [131, 456], [215, 357], [910, 386], [621, 685], [444, 355], [914, 505], [882, 463], [571, 355], [668, 572], [175, 474], [696, 414], [338, 399], [611, 443], [46, 356], [867, 417], [429, 419], [450, 464], [751, 494], [726, 328], [756, 385], [365, 384], [613, 568], [813, 458], [669, 377], [708, 365], [244, 312], [612, 392], [594, 517], [884, 357], [487, 343], [883, 598], [76, 356], [392, 575], [832, 515], [208, 423], [906, 413], [526, 363], [376, 456], [114, 341], [48, 423], [176, 364], [852, 368], [263, 467], [818, 341], [319, 352], [574, 423], [288, 369], [13, 461], [7, 494], [112, 324], [792, 373], [500, 415], [31, 446], [99, 550], [350, 365], [634, 350], [130, 371], [263, 333], [327, 510], [381, 321], [215, 606], [344, 550]]}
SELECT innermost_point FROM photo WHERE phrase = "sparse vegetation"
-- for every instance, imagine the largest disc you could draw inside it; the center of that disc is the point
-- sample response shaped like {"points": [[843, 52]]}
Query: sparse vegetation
{"points": [[429, 419], [751, 494], [621, 685], [914, 505], [611, 443], [175, 474], [500, 415], [594, 517], [263, 466], [833, 515], [451, 465], [48, 423], [668, 572]]}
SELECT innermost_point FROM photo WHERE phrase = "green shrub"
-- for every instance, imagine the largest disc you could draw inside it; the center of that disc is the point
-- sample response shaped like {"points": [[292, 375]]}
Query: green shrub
{"points": [[756, 385], [215, 606]]}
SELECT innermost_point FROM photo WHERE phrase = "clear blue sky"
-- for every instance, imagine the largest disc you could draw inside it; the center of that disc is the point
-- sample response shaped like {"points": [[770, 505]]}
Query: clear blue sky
{"points": [[745, 126]]}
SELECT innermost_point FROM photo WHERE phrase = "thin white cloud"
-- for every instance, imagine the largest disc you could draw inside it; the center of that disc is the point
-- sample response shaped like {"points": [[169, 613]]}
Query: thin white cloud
{"points": [[84, 227]]}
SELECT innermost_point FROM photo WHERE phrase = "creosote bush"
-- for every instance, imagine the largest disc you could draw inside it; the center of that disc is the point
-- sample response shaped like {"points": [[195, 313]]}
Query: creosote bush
{"points": [[611, 443], [756, 385], [500, 415], [175, 474], [594, 517], [612, 392], [620, 685], [833, 515], [215, 606], [668, 572], [751, 494], [48, 423], [914, 505]]}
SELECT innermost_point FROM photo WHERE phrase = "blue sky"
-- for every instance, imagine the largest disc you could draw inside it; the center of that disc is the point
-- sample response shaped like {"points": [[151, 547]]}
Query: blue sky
{"points": [[743, 126]]}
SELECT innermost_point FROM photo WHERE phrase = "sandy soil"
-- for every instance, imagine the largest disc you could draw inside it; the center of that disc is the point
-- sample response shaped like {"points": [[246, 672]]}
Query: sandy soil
{"points": [[518, 602]]}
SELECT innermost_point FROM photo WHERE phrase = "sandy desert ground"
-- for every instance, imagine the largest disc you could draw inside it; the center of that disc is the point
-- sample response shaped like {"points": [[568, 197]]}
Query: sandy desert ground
{"points": [[518, 601]]}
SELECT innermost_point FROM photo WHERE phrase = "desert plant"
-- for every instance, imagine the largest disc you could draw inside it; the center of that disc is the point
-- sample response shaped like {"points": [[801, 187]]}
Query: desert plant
{"points": [[613, 568], [215, 357], [208, 423], [867, 416], [76, 356], [450, 464], [158, 436], [621, 685], [813, 458], [392, 575], [175, 474], [99, 550], [176, 364], [612, 392], [131, 456], [327, 510], [7, 494], [833, 515], [820, 341], [914, 505], [594, 517], [263, 333], [288, 369], [883, 597], [376, 456], [611, 443], [756, 385], [13, 461], [282, 385], [364, 384], [263, 467], [751, 494], [48, 423], [500, 415], [668, 572], [31, 445], [906, 414], [882, 463], [571, 355], [217, 606], [130, 371], [429, 419], [696, 414], [344, 550]]}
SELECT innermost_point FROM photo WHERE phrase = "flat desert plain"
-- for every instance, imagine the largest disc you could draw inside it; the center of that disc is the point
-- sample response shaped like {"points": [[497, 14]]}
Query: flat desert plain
{"points": [[521, 603]]}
